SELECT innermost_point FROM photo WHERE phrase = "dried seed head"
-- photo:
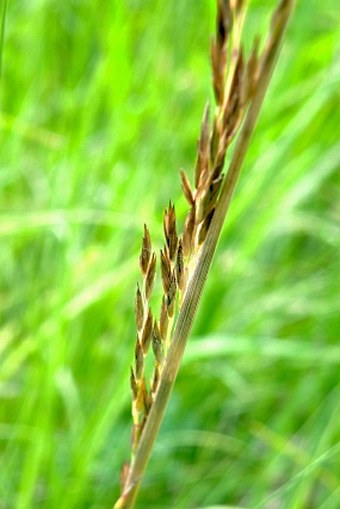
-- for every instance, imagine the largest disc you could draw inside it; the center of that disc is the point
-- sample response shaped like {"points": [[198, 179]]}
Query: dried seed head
{"points": [[187, 188], [180, 266], [157, 343], [139, 358], [150, 276], [165, 270], [133, 384], [145, 255], [164, 320], [170, 230], [139, 309], [147, 332], [188, 232], [205, 227]]}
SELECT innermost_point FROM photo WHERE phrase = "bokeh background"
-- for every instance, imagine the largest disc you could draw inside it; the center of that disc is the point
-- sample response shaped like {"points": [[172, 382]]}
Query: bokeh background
{"points": [[100, 106]]}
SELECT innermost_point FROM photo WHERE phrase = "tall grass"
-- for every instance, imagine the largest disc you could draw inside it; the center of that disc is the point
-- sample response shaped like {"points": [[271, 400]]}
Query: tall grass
{"points": [[100, 106]]}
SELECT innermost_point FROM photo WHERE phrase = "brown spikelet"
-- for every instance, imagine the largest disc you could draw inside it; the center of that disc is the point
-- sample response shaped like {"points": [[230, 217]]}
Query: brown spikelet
{"points": [[139, 403], [145, 255], [188, 232], [139, 309], [156, 378], [156, 331], [164, 319], [223, 21], [209, 199], [186, 188], [139, 360], [219, 161], [133, 384], [150, 276], [171, 297], [180, 275], [215, 141], [165, 270], [170, 230], [205, 227], [146, 398], [157, 344], [218, 83], [147, 332], [219, 49]]}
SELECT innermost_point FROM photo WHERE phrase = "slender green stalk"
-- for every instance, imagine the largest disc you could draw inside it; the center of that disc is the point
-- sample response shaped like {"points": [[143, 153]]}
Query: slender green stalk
{"points": [[199, 275]]}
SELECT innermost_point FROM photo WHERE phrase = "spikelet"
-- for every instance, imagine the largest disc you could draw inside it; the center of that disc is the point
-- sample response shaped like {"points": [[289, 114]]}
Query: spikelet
{"points": [[170, 231]]}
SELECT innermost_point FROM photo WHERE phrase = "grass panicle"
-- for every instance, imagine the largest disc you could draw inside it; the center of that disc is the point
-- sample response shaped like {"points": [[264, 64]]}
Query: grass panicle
{"points": [[239, 85], [254, 410]]}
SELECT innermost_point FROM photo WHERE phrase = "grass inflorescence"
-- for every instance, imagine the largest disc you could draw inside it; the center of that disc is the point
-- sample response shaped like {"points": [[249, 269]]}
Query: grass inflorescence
{"points": [[239, 86], [100, 106]]}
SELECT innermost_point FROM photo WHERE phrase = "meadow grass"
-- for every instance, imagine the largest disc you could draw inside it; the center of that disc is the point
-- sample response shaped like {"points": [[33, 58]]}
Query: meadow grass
{"points": [[100, 104]]}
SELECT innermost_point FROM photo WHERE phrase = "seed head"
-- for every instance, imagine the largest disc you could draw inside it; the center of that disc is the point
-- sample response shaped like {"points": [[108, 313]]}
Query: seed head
{"points": [[188, 232], [156, 378], [166, 270], [139, 360], [164, 320], [187, 188], [205, 227], [145, 255], [133, 384], [209, 198], [180, 266], [139, 309], [170, 230], [157, 343], [147, 331], [171, 297], [150, 276]]}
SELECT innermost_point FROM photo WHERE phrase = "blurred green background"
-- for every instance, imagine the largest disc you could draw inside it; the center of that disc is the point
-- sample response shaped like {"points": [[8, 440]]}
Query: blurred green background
{"points": [[100, 106]]}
